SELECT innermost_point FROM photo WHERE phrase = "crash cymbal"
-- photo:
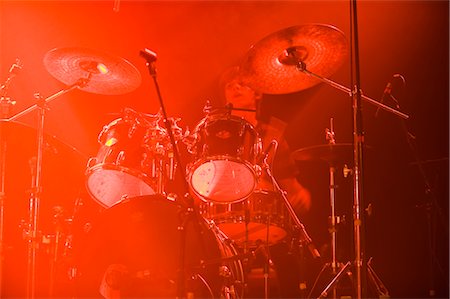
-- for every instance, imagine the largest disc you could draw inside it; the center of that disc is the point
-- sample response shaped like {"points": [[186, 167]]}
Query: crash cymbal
{"points": [[331, 153], [271, 65], [105, 74]]}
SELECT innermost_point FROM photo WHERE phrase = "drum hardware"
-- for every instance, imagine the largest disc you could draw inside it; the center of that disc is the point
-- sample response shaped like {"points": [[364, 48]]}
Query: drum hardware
{"points": [[333, 154], [78, 69], [36, 184], [288, 61], [5, 107], [58, 244]]}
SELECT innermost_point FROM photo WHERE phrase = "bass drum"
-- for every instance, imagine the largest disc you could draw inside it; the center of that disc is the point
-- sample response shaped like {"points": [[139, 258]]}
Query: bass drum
{"points": [[133, 251]]}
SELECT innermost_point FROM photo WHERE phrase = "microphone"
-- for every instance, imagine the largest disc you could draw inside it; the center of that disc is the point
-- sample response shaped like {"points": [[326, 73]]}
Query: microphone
{"points": [[13, 71], [148, 55], [387, 92]]}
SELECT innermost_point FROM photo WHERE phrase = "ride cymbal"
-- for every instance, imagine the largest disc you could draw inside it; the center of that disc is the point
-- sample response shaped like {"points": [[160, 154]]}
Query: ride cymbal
{"points": [[331, 153], [272, 65], [102, 73]]}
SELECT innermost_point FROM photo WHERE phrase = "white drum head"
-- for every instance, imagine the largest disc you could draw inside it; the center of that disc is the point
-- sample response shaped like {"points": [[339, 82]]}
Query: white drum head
{"points": [[110, 186], [223, 181]]}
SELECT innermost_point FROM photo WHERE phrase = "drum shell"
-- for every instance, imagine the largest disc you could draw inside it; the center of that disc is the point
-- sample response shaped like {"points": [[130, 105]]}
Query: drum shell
{"points": [[264, 211], [227, 137], [132, 161]]}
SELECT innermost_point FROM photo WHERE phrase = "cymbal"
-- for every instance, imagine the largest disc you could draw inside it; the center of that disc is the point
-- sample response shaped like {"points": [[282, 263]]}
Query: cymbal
{"points": [[340, 152], [271, 65], [106, 74]]}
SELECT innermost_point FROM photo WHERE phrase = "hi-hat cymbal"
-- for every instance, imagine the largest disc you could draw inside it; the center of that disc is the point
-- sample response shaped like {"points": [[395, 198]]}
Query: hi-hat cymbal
{"points": [[106, 74], [331, 153], [271, 65]]}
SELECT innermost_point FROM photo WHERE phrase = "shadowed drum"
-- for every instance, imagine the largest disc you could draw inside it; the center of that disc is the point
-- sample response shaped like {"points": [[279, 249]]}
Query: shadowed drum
{"points": [[133, 250]]}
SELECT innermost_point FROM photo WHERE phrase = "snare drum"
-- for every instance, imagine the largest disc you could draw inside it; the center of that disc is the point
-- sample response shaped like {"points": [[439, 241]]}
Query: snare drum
{"points": [[264, 212], [135, 158], [226, 149]]}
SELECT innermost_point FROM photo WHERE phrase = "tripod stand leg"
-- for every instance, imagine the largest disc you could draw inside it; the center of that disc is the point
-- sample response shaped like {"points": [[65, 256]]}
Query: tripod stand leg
{"points": [[334, 281], [378, 284]]}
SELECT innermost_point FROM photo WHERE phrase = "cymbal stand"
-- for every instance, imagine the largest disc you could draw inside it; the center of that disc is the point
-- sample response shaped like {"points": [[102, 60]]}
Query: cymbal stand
{"points": [[292, 57], [330, 135], [334, 220], [337, 269], [32, 233], [5, 106]]}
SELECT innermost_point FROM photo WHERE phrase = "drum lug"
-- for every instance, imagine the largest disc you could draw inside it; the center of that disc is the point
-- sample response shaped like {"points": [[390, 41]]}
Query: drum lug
{"points": [[258, 170], [224, 271], [131, 130], [120, 157], [91, 162]]}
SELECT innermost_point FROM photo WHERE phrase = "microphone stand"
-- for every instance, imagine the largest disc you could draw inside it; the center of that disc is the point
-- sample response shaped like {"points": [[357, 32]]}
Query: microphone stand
{"points": [[150, 57], [32, 233], [299, 227], [431, 206]]}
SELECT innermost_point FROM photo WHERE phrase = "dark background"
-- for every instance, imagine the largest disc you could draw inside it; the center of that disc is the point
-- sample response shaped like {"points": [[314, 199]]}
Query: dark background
{"points": [[196, 41]]}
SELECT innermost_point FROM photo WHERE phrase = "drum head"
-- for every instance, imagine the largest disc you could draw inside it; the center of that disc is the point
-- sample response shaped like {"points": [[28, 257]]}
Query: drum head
{"points": [[134, 248], [223, 181], [107, 185]]}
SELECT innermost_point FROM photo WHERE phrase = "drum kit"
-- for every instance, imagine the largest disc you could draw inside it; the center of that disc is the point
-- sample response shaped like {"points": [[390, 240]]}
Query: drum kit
{"points": [[148, 242]]}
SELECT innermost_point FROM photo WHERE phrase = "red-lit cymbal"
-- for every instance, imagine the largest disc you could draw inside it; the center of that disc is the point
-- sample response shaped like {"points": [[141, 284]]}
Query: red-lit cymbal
{"points": [[106, 74], [270, 66], [340, 152]]}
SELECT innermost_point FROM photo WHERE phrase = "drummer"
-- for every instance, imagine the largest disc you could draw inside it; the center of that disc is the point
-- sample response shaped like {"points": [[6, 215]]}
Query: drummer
{"points": [[237, 93]]}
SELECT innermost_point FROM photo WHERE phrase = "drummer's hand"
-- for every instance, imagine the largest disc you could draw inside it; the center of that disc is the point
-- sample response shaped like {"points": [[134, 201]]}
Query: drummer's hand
{"points": [[299, 196]]}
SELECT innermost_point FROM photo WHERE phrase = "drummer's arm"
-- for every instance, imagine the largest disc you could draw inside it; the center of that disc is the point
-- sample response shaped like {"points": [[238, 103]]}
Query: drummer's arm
{"points": [[299, 196], [285, 169]]}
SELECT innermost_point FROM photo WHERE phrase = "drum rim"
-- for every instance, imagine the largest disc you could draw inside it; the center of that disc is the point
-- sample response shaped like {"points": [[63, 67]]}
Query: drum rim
{"points": [[222, 116], [139, 123]]}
